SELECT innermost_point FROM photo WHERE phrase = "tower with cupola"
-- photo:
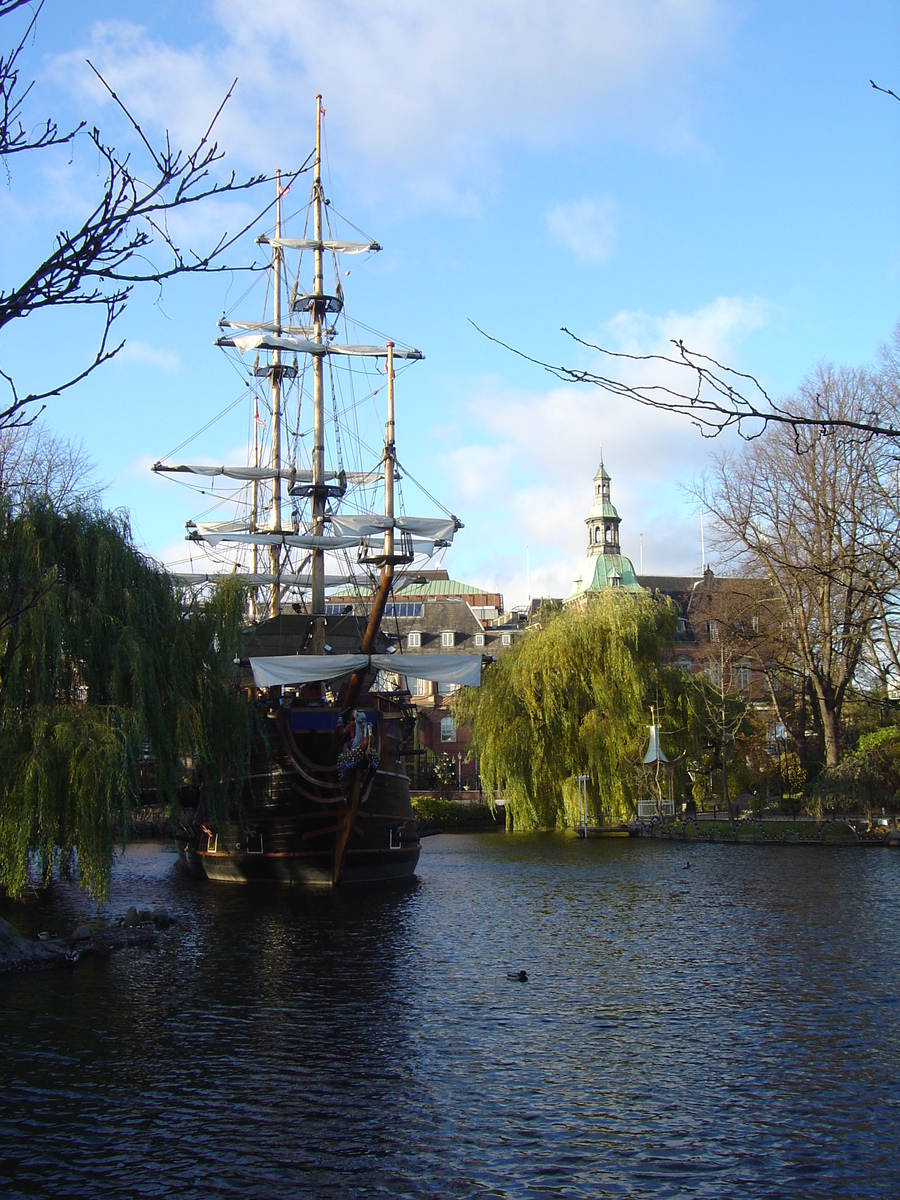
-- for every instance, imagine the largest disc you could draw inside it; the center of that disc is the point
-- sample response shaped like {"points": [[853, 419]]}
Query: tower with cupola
{"points": [[605, 565]]}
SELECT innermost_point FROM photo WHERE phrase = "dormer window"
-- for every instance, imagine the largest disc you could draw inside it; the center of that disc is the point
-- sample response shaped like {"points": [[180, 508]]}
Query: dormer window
{"points": [[414, 641], [447, 638]]}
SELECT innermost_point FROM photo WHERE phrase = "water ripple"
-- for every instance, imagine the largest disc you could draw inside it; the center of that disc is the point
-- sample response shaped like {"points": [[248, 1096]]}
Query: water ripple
{"points": [[730, 1037]]}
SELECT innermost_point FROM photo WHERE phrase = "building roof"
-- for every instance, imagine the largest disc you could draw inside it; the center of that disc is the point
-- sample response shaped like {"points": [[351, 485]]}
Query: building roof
{"points": [[603, 571], [434, 588], [445, 615], [678, 587]]}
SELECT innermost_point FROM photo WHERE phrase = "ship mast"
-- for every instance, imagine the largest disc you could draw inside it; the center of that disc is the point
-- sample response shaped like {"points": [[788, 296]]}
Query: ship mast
{"points": [[388, 558], [389, 460], [254, 506], [318, 365], [313, 336], [275, 369]]}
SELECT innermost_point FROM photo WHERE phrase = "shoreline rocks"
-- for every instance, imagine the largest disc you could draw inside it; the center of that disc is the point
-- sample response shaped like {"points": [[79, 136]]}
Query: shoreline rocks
{"points": [[100, 936]]}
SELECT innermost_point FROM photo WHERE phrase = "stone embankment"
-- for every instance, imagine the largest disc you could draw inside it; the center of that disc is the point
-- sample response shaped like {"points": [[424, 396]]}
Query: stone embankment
{"points": [[100, 936]]}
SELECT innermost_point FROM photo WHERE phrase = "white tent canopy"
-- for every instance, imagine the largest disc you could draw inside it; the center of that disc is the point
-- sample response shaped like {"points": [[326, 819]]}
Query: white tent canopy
{"points": [[461, 669]]}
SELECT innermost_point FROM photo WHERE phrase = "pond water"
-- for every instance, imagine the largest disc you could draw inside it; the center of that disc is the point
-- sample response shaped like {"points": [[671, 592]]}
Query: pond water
{"points": [[726, 1028]]}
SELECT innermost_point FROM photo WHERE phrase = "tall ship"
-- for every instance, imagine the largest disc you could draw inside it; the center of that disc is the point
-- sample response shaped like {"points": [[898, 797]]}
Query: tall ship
{"points": [[315, 511]]}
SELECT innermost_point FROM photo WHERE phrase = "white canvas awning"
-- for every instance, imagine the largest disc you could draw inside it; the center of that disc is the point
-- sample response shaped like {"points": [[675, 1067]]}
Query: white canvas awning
{"points": [[462, 669], [272, 671]]}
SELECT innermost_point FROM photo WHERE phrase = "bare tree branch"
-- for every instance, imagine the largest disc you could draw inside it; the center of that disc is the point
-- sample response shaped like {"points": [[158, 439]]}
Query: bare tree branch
{"points": [[886, 91], [714, 397], [14, 138], [118, 244]]}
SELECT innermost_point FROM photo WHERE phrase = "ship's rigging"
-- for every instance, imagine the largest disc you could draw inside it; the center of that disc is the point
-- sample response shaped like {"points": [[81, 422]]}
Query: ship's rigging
{"points": [[315, 506]]}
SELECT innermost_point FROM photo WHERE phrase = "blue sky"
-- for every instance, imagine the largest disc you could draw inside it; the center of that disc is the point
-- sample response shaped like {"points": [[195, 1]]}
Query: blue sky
{"points": [[634, 170]]}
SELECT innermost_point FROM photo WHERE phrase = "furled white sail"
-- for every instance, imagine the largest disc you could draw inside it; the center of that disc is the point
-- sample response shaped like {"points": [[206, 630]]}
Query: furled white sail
{"points": [[248, 474], [300, 541], [266, 327], [439, 529], [266, 579], [311, 244], [278, 670], [271, 341]]}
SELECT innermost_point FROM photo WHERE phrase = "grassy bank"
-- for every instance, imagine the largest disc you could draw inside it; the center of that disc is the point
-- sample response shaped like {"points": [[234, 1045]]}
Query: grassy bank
{"points": [[838, 832], [454, 815]]}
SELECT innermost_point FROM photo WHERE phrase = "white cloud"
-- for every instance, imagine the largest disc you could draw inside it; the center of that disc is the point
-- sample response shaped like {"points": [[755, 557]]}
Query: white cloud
{"points": [[135, 351], [421, 95], [586, 227], [712, 329], [527, 481]]}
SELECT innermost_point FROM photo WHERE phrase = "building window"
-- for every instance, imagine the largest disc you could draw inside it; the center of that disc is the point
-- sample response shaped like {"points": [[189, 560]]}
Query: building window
{"points": [[712, 628], [683, 663], [414, 641], [418, 687], [755, 623], [615, 581], [714, 672], [450, 689], [505, 639], [447, 638], [479, 639], [742, 677], [403, 609], [448, 729]]}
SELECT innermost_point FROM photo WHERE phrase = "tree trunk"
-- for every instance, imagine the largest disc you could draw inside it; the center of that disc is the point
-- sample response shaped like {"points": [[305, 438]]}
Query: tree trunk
{"points": [[830, 731]]}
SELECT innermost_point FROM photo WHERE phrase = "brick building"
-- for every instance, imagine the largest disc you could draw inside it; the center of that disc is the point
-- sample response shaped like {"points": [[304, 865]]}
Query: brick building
{"points": [[434, 614]]}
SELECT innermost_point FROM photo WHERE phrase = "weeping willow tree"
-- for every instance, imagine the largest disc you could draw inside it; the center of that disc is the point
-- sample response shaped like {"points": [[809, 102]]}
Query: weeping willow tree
{"points": [[102, 661], [573, 698]]}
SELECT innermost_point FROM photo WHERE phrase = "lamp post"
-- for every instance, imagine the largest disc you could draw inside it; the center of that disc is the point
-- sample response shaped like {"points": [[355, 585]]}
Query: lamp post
{"points": [[459, 770], [583, 800]]}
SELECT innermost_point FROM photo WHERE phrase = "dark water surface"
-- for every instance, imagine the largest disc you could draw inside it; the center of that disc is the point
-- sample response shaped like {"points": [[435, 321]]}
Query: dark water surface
{"points": [[728, 1030]]}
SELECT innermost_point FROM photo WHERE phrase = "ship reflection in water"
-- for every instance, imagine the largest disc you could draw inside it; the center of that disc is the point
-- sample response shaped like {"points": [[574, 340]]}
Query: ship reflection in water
{"points": [[726, 1031]]}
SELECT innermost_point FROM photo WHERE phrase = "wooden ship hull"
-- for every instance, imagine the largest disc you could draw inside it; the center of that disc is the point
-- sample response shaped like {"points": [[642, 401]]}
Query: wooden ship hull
{"points": [[315, 815]]}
